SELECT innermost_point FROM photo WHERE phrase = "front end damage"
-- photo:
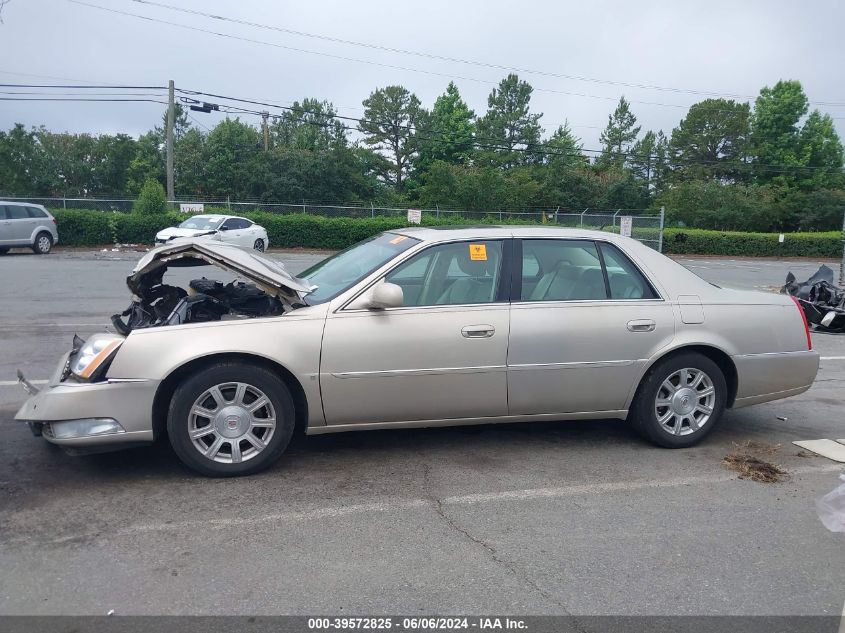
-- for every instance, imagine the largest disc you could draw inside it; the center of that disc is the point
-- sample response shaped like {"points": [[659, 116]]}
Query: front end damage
{"points": [[823, 303], [269, 290], [84, 410]]}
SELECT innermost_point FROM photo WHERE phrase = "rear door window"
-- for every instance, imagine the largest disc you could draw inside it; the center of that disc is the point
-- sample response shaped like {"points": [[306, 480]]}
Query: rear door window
{"points": [[624, 278], [561, 270], [15, 212]]}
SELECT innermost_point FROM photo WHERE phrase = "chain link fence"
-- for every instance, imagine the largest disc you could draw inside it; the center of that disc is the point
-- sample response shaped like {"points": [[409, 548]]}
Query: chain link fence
{"points": [[645, 225]]}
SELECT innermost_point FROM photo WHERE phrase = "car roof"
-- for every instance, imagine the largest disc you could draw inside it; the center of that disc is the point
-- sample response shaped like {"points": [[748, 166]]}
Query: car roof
{"points": [[218, 216], [18, 203], [491, 231]]}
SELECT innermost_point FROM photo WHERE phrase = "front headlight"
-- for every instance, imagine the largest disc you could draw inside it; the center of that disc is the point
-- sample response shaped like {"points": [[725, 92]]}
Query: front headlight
{"points": [[93, 354]]}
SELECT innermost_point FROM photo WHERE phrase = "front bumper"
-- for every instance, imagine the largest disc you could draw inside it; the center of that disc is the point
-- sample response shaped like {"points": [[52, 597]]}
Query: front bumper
{"points": [[81, 415]]}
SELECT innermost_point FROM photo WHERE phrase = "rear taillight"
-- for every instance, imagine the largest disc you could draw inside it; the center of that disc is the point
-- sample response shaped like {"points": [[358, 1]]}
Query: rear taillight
{"points": [[804, 319], [54, 222]]}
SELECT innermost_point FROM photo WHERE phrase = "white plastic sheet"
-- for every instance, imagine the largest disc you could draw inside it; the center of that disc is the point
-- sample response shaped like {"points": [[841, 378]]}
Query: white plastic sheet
{"points": [[831, 508]]}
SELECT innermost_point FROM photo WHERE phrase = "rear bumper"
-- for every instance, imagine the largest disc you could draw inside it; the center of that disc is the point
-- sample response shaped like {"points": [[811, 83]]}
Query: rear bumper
{"points": [[110, 413], [765, 377]]}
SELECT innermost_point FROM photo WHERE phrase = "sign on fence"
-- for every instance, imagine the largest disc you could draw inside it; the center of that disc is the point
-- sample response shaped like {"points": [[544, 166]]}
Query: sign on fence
{"points": [[414, 216], [191, 208], [625, 224]]}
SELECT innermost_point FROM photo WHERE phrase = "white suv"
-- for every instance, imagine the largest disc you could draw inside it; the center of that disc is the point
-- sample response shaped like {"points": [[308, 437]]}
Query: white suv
{"points": [[26, 225]]}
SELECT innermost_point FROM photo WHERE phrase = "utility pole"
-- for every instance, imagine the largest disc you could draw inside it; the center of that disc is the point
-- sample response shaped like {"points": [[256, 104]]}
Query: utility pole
{"points": [[842, 263], [171, 116], [265, 129]]}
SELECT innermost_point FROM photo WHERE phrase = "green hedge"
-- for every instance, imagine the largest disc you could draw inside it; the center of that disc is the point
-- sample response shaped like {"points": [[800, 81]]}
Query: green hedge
{"points": [[703, 242], [94, 228]]}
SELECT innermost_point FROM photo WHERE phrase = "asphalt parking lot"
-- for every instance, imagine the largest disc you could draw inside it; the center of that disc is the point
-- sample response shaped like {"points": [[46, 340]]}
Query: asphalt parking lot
{"points": [[547, 518]]}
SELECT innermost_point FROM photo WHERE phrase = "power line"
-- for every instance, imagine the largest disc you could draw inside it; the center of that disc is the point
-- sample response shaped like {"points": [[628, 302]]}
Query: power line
{"points": [[73, 94], [116, 87], [97, 99], [483, 143], [78, 87], [458, 60], [478, 142], [366, 61]]}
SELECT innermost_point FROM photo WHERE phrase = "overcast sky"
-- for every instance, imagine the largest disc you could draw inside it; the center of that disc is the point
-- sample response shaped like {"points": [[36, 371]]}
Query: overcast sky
{"points": [[718, 46]]}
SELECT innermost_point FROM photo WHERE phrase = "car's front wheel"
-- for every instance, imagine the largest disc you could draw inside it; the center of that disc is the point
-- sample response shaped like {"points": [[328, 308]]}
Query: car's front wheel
{"points": [[230, 419], [679, 401], [259, 245], [43, 243]]}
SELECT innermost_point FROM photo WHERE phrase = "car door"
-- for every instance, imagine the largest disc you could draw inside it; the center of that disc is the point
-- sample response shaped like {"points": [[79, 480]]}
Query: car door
{"points": [[229, 232], [585, 322], [247, 234], [5, 227], [442, 355], [18, 226]]}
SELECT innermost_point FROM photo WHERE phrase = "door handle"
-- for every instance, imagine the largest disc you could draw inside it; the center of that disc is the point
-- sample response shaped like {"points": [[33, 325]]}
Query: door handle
{"points": [[641, 325], [478, 331]]}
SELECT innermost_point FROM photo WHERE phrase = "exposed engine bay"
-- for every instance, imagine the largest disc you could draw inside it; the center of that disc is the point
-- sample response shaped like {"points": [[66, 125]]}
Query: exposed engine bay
{"points": [[205, 300], [269, 291]]}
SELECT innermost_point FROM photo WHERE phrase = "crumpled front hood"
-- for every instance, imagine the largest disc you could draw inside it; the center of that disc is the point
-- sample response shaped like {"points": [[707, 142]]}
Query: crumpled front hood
{"points": [[265, 273], [175, 232]]}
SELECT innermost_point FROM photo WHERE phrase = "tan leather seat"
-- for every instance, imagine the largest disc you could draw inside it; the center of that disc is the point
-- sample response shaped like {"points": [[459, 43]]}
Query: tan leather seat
{"points": [[557, 284]]}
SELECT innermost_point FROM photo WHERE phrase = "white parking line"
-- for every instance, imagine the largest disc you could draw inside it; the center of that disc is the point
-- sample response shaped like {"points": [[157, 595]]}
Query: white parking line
{"points": [[12, 383], [460, 500]]}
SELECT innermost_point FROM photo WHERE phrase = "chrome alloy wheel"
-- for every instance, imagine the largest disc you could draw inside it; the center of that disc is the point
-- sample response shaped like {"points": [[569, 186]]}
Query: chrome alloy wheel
{"points": [[685, 401], [43, 244], [231, 422]]}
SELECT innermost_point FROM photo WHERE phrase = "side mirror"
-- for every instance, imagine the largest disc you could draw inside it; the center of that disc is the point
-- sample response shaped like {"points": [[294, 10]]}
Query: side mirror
{"points": [[223, 228], [385, 295]]}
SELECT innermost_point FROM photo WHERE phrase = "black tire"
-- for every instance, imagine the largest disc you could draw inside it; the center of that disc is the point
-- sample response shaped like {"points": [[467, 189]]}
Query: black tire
{"points": [[643, 414], [259, 245], [43, 243], [185, 396]]}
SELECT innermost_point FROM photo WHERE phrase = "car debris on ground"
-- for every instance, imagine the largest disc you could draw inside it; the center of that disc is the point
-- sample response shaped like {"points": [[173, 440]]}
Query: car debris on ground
{"points": [[823, 302], [747, 459]]}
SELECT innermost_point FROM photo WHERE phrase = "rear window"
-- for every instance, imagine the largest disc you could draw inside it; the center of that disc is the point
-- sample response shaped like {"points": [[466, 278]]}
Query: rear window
{"points": [[35, 212]]}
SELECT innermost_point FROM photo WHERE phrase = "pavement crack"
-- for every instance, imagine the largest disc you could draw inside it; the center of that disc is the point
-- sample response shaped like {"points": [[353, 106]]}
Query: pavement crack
{"points": [[509, 566]]}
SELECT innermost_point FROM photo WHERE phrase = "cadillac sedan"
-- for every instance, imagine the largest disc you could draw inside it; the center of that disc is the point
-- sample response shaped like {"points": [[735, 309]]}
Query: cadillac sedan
{"points": [[419, 328]]}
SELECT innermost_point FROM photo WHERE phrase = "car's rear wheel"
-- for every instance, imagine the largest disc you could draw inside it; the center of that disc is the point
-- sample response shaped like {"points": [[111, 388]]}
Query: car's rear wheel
{"points": [[43, 243], [259, 245], [680, 400], [230, 419]]}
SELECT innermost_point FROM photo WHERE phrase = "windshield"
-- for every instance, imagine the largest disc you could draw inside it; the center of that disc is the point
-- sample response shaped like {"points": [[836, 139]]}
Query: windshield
{"points": [[200, 223], [337, 273]]}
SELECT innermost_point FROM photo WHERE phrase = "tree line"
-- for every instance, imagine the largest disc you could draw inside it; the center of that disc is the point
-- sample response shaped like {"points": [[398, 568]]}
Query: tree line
{"points": [[770, 165]]}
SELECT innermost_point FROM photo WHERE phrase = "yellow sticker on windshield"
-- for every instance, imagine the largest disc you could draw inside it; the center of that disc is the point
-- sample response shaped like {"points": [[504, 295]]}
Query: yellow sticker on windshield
{"points": [[400, 238], [478, 252]]}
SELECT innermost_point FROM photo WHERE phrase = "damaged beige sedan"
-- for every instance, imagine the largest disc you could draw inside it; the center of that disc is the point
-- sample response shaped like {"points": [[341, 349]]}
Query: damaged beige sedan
{"points": [[418, 328]]}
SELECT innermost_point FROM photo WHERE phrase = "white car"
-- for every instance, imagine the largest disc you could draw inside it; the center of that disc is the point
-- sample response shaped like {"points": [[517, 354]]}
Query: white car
{"points": [[230, 229]]}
